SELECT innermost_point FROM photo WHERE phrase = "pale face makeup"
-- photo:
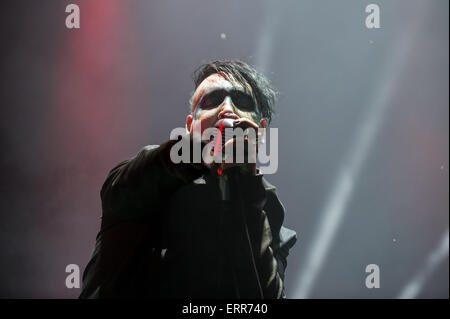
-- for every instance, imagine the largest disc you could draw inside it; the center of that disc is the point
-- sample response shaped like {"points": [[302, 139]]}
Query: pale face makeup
{"points": [[213, 100]]}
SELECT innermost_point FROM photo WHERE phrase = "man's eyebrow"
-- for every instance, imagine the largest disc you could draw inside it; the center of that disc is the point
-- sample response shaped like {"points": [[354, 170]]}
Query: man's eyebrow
{"points": [[234, 89], [210, 90], [217, 89], [226, 88]]}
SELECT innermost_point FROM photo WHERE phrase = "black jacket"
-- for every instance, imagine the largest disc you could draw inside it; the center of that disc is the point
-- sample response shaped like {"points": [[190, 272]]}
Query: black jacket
{"points": [[180, 231]]}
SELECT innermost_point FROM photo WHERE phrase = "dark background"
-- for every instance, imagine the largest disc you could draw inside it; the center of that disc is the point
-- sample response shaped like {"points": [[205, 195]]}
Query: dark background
{"points": [[362, 118]]}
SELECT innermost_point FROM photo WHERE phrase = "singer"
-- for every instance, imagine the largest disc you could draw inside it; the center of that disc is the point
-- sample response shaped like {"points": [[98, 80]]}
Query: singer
{"points": [[195, 230]]}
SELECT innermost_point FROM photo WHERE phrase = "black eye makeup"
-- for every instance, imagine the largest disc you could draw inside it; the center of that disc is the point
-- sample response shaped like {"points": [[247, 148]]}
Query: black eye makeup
{"points": [[243, 101]]}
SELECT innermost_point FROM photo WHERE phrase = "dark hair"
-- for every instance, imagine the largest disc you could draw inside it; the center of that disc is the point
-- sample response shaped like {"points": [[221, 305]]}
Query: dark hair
{"points": [[243, 73]]}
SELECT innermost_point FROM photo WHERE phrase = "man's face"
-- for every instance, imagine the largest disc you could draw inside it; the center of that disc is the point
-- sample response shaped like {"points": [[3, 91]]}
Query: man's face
{"points": [[216, 98]]}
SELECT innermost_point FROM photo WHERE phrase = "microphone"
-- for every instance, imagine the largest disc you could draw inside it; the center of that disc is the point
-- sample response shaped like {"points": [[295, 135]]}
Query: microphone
{"points": [[221, 136], [229, 188]]}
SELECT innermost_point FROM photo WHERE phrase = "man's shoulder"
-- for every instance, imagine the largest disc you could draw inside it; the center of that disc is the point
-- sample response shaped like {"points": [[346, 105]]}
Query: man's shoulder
{"points": [[143, 153], [147, 150], [288, 237], [150, 148], [267, 185]]}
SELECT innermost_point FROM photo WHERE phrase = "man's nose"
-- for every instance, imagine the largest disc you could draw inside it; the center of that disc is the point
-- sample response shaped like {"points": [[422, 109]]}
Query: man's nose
{"points": [[226, 109]]}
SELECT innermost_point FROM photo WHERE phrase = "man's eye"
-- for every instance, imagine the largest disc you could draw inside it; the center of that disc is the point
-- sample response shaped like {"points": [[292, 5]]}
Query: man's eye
{"points": [[245, 102], [207, 103], [211, 100]]}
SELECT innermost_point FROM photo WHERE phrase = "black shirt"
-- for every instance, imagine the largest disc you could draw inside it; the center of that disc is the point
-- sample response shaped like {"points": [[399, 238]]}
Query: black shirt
{"points": [[183, 231]]}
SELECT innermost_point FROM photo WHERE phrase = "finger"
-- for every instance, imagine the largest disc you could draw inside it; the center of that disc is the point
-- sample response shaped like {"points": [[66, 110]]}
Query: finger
{"points": [[244, 123]]}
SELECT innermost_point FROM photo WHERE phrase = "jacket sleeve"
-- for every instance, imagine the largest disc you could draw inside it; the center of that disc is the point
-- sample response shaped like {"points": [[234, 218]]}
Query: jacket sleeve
{"points": [[283, 239], [133, 198], [136, 188], [264, 217]]}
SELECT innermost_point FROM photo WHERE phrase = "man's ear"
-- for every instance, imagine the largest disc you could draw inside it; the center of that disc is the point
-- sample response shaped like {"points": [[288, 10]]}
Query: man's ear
{"points": [[189, 119], [262, 123]]}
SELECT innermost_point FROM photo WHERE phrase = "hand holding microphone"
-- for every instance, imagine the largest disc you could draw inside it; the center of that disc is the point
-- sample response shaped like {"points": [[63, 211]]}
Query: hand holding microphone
{"points": [[238, 140]]}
